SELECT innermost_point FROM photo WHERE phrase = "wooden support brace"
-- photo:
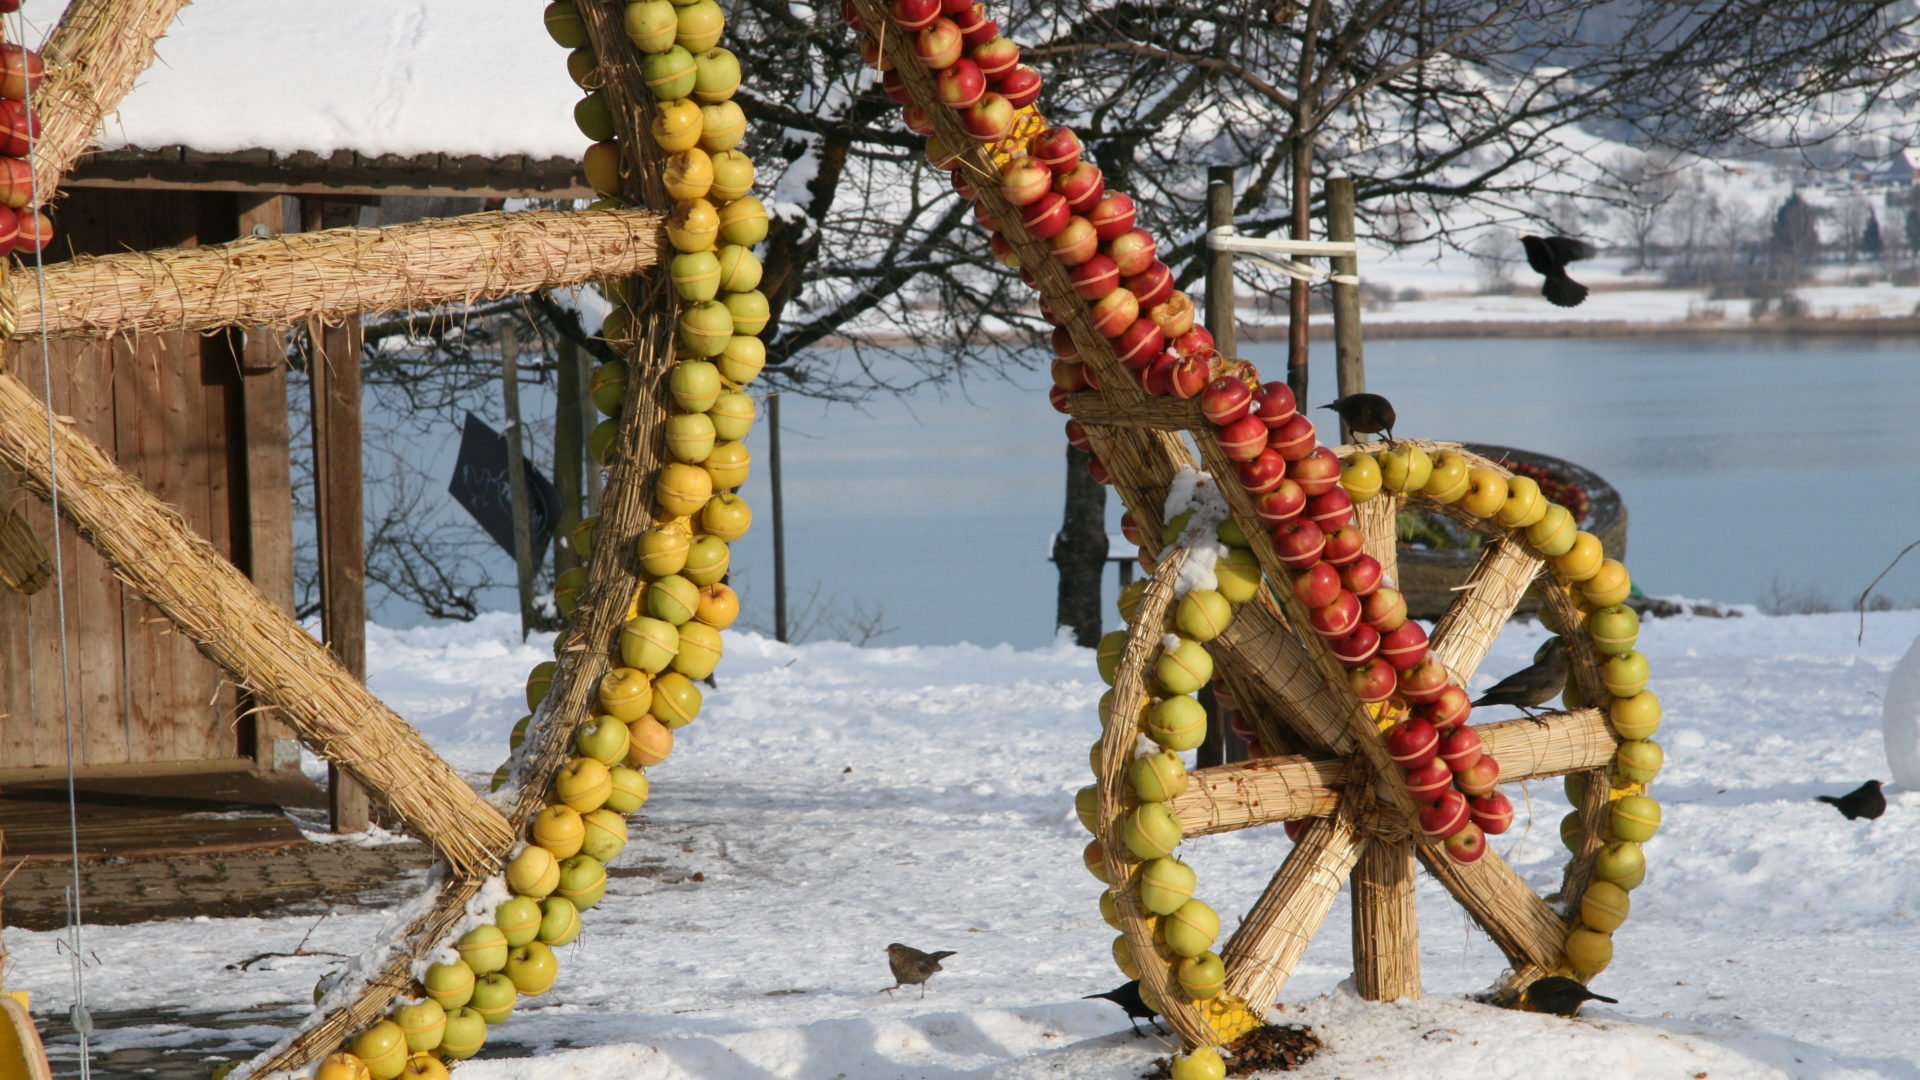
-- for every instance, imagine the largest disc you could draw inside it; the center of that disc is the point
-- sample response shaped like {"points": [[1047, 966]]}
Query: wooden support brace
{"points": [[92, 58], [1261, 955], [1386, 924]]}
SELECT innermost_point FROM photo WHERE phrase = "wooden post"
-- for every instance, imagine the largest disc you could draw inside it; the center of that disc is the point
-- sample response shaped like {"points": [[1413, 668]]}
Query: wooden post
{"points": [[569, 442], [1220, 306], [1350, 369], [779, 520], [334, 370], [517, 473], [589, 417]]}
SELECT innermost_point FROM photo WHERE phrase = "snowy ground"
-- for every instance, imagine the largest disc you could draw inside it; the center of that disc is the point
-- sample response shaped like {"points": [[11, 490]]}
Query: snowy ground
{"points": [[835, 799]]}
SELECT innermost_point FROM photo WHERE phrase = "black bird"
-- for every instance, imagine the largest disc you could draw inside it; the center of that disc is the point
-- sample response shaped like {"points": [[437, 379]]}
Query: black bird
{"points": [[1866, 801], [1532, 686], [1562, 996], [1549, 256], [1365, 414], [1127, 996], [911, 967]]}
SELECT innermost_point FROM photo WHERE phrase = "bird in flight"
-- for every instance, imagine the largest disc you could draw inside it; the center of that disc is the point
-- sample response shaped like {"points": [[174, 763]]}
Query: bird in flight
{"points": [[1549, 256]]}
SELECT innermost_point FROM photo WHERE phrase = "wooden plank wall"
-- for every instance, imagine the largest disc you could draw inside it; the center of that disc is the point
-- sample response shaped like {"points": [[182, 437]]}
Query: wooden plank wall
{"points": [[175, 410]]}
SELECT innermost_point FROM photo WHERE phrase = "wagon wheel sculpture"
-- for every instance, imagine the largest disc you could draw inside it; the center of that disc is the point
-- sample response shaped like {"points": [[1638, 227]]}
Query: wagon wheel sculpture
{"points": [[679, 362], [1146, 390]]}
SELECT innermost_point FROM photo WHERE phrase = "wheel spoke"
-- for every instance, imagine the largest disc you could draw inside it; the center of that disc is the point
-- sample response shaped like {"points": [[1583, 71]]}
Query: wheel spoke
{"points": [[1379, 521], [1487, 598], [1239, 796], [1283, 677], [1526, 930], [1386, 925], [1551, 745], [1261, 954]]}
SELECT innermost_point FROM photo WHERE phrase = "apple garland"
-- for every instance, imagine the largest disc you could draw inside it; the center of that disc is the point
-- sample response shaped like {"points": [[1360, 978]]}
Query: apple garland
{"points": [[23, 228], [672, 637], [1302, 490]]}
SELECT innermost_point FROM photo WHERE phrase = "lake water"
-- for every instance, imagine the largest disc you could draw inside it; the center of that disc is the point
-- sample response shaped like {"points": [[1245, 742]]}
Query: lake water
{"points": [[1751, 467]]}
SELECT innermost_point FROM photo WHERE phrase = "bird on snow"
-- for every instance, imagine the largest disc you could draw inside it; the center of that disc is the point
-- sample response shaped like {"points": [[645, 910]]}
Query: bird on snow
{"points": [[1365, 414], [1866, 801], [1562, 996], [911, 967], [1549, 256], [1127, 996], [1531, 686]]}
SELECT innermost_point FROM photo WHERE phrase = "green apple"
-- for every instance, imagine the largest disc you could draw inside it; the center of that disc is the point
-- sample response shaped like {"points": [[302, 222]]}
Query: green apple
{"points": [[1158, 777], [1151, 831], [582, 538], [1552, 536], [750, 311], [519, 919], [1191, 929], [1200, 1063], [606, 834], [559, 830], [717, 76], [559, 921], [648, 644], [1178, 723], [601, 439], [740, 362], [583, 69], [607, 386], [1202, 977], [1171, 531], [629, 788], [670, 75], [727, 468], [1230, 533], [690, 437], [563, 25], [1165, 884], [673, 599], [726, 516], [1570, 831], [663, 549], [532, 968], [651, 25], [383, 1047], [732, 414], [449, 985], [744, 220], [676, 700], [1589, 951], [707, 558], [701, 23], [1634, 817], [592, 117], [740, 268], [604, 739], [650, 744], [539, 681], [1605, 906], [1620, 862], [601, 163], [1110, 910], [700, 649], [422, 1024], [1447, 481], [1086, 807], [617, 325], [484, 948], [1405, 467], [696, 275], [583, 784], [567, 586], [494, 997], [1202, 614], [1625, 674], [695, 384], [519, 733], [705, 330], [623, 694], [1635, 717], [1614, 629], [583, 880], [1106, 654], [466, 1033], [1639, 760], [1185, 668], [1236, 575]]}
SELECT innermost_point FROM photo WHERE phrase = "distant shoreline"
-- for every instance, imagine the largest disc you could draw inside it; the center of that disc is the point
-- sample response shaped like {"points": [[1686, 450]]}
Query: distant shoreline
{"points": [[1612, 328]]}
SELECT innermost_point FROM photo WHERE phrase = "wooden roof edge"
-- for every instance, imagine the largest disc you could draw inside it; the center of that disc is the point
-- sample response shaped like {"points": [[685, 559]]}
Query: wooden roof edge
{"points": [[343, 172]]}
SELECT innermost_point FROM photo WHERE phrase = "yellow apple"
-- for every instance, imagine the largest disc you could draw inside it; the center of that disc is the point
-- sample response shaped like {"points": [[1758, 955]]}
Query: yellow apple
{"points": [[624, 693], [1486, 492], [534, 872], [1553, 535], [1360, 476], [1524, 504], [560, 830], [1447, 481], [582, 784], [1405, 467], [1582, 560], [532, 968]]}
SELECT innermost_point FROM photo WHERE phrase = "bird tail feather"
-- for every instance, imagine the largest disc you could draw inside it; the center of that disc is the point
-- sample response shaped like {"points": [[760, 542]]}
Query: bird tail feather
{"points": [[1830, 800], [1564, 291], [940, 955]]}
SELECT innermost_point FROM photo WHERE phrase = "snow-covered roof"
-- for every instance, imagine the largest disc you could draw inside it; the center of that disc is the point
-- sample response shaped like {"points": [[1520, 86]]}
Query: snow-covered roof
{"points": [[402, 77]]}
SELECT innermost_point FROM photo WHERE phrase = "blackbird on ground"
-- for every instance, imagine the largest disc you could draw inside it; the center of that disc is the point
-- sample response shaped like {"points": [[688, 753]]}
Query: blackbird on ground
{"points": [[1562, 996], [1127, 996], [1549, 256], [1531, 686], [1365, 414], [911, 967], [1866, 801]]}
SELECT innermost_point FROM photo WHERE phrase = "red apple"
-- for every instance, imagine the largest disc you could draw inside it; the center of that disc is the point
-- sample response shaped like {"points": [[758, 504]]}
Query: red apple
{"points": [[851, 15], [1130, 529], [1317, 586], [1276, 404], [873, 56], [983, 217], [16, 183], [1330, 510], [1264, 473], [1447, 816], [1069, 375], [989, 119], [1195, 342], [962, 184], [19, 129], [1133, 251], [939, 45], [996, 57], [1189, 377], [1384, 609], [1053, 317], [1139, 344], [1424, 681], [920, 122], [1075, 243], [1057, 148], [1413, 744], [915, 14], [1318, 471], [1098, 470], [1081, 186], [895, 86], [1372, 682], [1450, 709], [1153, 285], [1344, 545], [1175, 316], [1358, 647], [1047, 215], [10, 229], [1429, 782], [1294, 829], [1095, 277], [1492, 812], [1092, 376], [1225, 399], [1057, 397], [1113, 313], [975, 27], [1077, 437], [1467, 845], [1021, 86], [1024, 181], [955, 7], [1282, 504], [1404, 646], [1361, 576], [1157, 378], [1063, 344], [1481, 777], [1003, 252], [960, 85], [1295, 439], [1460, 748], [1244, 439], [1112, 215], [1298, 543], [1337, 619]]}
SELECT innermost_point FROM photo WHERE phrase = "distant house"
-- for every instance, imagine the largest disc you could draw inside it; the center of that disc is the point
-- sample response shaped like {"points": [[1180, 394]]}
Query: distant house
{"points": [[1897, 170]]}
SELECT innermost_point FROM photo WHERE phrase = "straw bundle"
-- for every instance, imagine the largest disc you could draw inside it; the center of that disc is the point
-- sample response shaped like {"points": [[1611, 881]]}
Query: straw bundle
{"points": [[1270, 941], [1379, 521], [1585, 674], [24, 566], [154, 553], [92, 58], [1160, 413], [332, 274], [1554, 744], [1386, 924], [1493, 588], [1527, 931], [1259, 792]]}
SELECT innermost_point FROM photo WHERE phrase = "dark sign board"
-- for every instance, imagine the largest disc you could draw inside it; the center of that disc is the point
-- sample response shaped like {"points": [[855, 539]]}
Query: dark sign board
{"points": [[480, 484]]}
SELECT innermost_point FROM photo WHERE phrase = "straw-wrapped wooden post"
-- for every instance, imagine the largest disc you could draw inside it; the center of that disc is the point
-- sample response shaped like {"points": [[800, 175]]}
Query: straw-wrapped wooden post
{"points": [[1584, 673], [1259, 792], [332, 274], [1504, 572], [92, 58], [1261, 954]]}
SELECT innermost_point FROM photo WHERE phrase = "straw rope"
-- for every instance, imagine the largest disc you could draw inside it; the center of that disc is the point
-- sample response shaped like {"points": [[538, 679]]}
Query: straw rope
{"points": [[154, 552], [334, 273], [1386, 923], [92, 58], [1261, 954]]}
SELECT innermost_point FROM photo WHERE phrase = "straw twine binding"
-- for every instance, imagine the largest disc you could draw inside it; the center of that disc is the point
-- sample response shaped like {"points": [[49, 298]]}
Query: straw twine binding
{"points": [[332, 274]]}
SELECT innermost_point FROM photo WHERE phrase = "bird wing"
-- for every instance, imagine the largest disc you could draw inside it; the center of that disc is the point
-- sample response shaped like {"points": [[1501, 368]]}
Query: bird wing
{"points": [[1539, 256], [1566, 249]]}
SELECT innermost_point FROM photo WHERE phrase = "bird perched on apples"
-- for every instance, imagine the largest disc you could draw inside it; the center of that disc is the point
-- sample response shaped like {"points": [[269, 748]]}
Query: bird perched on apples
{"points": [[1549, 256], [1866, 801], [911, 967], [1532, 686], [1365, 414]]}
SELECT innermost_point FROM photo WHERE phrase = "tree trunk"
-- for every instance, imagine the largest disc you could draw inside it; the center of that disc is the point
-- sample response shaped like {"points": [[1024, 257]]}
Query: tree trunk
{"points": [[1080, 551]]}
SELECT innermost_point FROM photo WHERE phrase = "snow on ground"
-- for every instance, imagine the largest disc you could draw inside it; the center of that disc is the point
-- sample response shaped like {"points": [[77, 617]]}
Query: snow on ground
{"points": [[833, 799]]}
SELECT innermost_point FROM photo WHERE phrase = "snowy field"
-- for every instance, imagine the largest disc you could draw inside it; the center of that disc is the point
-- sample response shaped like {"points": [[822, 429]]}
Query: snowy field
{"points": [[833, 799]]}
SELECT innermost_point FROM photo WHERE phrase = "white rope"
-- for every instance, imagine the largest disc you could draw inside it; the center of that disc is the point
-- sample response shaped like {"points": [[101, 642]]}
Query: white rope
{"points": [[76, 937]]}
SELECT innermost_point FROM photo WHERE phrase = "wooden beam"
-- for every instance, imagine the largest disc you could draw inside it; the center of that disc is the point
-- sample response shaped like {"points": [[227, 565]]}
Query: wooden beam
{"points": [[1161, 413], [92, 58], [267, 652], [332, 274], [262, 171]]}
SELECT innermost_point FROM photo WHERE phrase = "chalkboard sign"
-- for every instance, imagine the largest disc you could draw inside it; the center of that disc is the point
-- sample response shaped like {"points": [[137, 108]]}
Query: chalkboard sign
{"points": [[480, 484]]}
